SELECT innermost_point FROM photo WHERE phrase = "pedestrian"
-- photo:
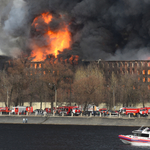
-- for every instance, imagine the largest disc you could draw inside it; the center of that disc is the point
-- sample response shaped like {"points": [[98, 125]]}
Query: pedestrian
{"points": [[23, 120]]}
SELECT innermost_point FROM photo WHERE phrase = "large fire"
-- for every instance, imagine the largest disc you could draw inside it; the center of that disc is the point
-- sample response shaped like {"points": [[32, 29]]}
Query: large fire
{"points": [[56, 41]]}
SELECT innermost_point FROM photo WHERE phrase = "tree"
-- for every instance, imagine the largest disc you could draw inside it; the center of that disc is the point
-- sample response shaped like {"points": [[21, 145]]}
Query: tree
{"points": [[128, 85], [18, 73], [89, 85], [55, 75]]}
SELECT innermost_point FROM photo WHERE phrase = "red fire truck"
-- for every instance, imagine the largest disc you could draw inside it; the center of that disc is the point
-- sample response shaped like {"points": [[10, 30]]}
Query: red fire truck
{"points": [[21, 110], [67, 110], [129, 110], [29, 109], [4, 109], [48, 110], [145, 111], [133, 111], [73, 109], [103, 110]]}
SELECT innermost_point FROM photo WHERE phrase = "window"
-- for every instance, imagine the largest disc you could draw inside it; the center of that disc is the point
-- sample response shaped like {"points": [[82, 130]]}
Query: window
{"points": [[148, 79], [113, 65], [143, 79], [108, 64], [148, 87], [133, 65], [148, 64], [143, 71], [118, 64], [35, 66], [142, 64], [138, 78], [148, 72], [144, 135], [39, 65]]}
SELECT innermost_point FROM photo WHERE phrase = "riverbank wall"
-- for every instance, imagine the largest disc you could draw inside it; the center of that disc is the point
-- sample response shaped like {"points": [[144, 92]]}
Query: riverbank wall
{"points": [[67, 120]]}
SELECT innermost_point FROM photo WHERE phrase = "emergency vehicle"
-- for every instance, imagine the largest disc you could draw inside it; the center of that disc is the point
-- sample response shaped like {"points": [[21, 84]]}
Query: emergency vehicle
{"points": [[76, 111], [145, 110], [133, 111], [48, 110], [67, 110], [21, 110], [148, 109], [103, 110], [5, 109]]}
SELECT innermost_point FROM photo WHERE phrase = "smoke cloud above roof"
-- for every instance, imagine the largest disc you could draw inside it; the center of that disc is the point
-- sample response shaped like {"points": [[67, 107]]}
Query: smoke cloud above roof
{"points": [[105, 29]]}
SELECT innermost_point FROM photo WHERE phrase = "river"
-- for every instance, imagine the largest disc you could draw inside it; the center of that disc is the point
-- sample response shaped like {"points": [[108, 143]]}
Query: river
{"points": [[57, 137]]}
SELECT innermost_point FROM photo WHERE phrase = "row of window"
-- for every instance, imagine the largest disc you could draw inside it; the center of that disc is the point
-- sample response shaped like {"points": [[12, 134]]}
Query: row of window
{"points": [[144, 72], [127, 64], [36, 66]]}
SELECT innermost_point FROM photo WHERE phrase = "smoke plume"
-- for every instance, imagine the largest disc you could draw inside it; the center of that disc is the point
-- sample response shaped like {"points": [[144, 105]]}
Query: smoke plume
{"points": [[104, 29]]}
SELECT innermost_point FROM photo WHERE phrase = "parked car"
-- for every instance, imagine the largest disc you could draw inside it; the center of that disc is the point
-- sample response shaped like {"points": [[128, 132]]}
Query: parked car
{"points": [[38, 111], [113, 113]]}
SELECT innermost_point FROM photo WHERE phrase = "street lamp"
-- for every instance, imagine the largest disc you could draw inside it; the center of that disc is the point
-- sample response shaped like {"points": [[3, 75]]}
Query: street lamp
{"points": [[7, 94], [55, 94]]}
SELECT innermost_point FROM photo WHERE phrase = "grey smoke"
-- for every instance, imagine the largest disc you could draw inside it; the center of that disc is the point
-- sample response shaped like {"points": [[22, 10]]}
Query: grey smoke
{"points": [[101, 29]]}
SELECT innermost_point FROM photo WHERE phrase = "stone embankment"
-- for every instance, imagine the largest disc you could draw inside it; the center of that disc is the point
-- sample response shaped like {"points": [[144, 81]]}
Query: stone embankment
{"points": [[77, 120]]}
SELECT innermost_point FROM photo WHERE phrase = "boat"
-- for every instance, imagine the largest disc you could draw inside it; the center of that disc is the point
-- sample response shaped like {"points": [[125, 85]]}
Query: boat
{"points": [[140, 137]]}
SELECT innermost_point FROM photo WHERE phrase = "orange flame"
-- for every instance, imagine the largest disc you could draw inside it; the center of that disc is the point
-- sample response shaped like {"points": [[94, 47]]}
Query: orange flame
{"points": [[57, 41]]}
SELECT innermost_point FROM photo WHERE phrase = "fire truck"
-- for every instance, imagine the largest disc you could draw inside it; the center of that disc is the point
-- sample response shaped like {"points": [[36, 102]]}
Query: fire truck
{"points": [[48, 110], [4, 109], [129, 110], [67, 110], [145, 111], [21, 110], [62, 110], [133, 111], [76, 111], [103, 110]]}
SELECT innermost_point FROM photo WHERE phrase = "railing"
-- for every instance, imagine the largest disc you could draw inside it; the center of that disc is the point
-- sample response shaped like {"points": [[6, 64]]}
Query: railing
{"points": [[82, 114]]}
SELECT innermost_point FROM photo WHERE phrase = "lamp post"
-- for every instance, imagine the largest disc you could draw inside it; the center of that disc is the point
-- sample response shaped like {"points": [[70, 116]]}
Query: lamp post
{"points": [[55, 94]]}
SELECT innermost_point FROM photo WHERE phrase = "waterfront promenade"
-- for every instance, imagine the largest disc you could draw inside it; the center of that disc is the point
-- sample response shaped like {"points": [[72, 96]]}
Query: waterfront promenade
{"points": [[76, 120]]}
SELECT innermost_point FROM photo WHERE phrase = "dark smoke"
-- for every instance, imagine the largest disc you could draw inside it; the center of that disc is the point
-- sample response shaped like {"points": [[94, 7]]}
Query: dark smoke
{"points": [[101, 29]]}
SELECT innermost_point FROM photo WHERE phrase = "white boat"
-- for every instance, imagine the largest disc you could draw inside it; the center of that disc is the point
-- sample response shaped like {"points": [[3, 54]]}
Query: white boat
{"points": [[140, 137]]}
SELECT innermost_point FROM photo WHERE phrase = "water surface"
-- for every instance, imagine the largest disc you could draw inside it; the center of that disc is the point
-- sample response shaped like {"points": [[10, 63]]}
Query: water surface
{"points": [[56, 137]]}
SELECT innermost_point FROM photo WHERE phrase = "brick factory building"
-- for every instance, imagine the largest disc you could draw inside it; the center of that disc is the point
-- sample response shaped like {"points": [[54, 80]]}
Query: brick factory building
{"points": [[141, 68]]}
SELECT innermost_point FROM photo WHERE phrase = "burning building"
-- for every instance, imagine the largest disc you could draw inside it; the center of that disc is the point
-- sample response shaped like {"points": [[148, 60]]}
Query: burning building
{"points": [[73, 30]]}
